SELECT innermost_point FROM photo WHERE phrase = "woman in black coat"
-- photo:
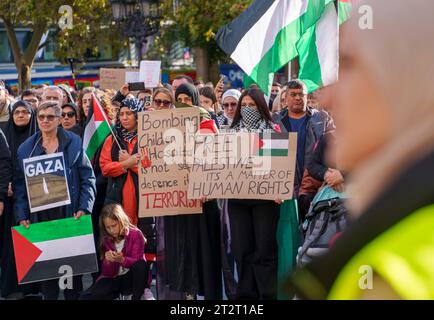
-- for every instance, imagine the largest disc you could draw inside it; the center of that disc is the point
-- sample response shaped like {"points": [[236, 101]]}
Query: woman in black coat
{"points": [[21, 125]]}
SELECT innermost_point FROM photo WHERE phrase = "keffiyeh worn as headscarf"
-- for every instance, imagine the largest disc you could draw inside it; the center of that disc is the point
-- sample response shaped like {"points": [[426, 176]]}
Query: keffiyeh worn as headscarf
{"points": [[135, 106]]}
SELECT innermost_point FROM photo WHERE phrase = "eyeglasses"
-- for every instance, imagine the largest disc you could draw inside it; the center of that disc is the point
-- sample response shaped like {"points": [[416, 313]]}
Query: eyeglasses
{"points": [[160, 102], [232, 104], [49, 117], [68, 114], [294, 94], [23, 112]]}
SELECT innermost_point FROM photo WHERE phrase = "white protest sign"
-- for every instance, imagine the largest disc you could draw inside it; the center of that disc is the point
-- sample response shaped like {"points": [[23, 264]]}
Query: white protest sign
{"points": [[150, 73], [132, 76]]}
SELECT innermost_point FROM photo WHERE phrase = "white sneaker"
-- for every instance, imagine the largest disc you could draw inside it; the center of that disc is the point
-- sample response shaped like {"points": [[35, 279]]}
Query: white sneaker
{"points": [[148, 295]]}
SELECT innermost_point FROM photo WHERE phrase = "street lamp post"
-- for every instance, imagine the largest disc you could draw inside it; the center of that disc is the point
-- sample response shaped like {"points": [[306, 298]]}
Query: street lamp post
{"points": [[139, 18]]}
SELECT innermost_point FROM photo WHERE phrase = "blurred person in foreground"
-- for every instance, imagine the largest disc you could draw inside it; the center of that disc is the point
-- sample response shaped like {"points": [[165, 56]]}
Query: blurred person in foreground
{"points": [[389, 158]]}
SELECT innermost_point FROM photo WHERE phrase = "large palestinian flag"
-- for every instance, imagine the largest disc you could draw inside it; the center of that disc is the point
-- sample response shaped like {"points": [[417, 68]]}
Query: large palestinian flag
{"points": [[264, 37], [42, 249]]}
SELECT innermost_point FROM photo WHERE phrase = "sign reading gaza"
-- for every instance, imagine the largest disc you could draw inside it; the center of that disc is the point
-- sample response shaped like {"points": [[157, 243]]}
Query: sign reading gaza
{"points": [[46, 183]]}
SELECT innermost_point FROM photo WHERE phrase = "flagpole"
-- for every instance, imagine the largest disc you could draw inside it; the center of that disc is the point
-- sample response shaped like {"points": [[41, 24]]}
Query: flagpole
{"points": [[109, 124]]}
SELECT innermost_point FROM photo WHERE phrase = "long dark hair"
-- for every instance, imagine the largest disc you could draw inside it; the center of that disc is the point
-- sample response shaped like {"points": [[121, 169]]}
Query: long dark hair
{"points": [[258, 96]]}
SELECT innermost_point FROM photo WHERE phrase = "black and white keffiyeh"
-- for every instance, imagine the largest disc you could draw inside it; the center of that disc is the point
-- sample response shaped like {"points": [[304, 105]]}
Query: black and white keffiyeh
{"points": [[251, 120]]}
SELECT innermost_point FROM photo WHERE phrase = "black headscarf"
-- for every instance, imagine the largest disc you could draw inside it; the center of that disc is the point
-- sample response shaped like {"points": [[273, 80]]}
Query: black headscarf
{"points": [[17, 135], [190, 90]]}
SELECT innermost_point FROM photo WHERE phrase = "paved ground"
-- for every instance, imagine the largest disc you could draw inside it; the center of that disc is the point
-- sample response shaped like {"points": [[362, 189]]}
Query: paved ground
{"points": [[87, 282]]}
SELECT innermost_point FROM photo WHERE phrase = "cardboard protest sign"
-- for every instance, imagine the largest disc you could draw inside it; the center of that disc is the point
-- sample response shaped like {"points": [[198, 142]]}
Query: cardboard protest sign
{"points": [[44, 250], [46, 182], [150, 73], [243, 166], [112, 78], [166, 140]]}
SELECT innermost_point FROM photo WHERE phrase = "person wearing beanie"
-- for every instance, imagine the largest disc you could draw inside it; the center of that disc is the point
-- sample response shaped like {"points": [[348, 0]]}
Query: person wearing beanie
{"points": [[192, 241], [188, 94]]}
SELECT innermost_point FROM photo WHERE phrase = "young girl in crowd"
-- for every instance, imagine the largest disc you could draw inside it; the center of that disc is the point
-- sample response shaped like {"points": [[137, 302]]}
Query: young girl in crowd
{"points": [[123, 269]]}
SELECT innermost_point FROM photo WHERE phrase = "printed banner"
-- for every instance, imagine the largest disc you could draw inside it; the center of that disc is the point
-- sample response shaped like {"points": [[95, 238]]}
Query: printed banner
{"points": [[50, 250], [46, 182]]}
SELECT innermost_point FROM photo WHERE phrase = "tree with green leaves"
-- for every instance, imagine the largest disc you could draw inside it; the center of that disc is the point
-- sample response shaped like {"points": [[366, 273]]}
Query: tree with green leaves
{"points": [[196, 22], [81, 25]]}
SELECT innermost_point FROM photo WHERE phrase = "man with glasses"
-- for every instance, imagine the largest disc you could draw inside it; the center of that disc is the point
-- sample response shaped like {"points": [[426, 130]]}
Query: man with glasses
{"points": [[30, 97], [69, 120]]}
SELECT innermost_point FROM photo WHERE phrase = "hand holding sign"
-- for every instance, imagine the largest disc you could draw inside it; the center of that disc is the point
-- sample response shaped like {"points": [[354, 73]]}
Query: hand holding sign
{"points": [[79, 214]]}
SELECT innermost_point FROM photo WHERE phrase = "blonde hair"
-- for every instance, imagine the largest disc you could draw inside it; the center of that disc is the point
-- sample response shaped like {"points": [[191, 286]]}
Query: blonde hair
{"points": [[115, 212]]}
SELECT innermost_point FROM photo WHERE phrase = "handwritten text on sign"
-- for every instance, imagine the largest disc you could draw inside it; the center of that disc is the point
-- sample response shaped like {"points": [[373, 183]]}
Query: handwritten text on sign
{"points": [[166, 138], [244, 166]]}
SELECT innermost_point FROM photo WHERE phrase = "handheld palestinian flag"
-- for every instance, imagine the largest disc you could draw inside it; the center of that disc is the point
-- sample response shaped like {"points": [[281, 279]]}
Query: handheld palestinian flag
{"points": [[97, 128], [271, 144], [45, 247]]}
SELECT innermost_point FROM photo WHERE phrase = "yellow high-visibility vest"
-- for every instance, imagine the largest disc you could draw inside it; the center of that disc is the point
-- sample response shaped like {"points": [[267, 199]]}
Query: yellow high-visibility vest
{"points": [[403, 256]]}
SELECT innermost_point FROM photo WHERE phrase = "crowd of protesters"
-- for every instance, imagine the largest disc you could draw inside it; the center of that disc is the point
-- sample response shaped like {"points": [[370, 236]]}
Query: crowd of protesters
{"points": [[251, 243], [180, 250]]}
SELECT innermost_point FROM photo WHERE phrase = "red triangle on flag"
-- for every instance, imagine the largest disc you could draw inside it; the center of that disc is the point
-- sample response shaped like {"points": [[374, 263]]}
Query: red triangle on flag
{"points": [[257, 144], [26, 254], [98, 111]]}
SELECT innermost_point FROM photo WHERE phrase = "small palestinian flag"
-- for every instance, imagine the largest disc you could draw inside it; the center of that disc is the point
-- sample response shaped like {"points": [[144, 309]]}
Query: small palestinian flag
{"points": [[271, 144], [45, 247]]}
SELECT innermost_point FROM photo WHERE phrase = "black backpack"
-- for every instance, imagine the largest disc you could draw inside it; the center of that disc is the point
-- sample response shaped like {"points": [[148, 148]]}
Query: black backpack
{"points": [[325, 219]]}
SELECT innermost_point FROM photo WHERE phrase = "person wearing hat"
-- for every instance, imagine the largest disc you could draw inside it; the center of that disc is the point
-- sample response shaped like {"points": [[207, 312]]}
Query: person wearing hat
{"points": [[191, 242], [69, 120], [229, 102]]}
